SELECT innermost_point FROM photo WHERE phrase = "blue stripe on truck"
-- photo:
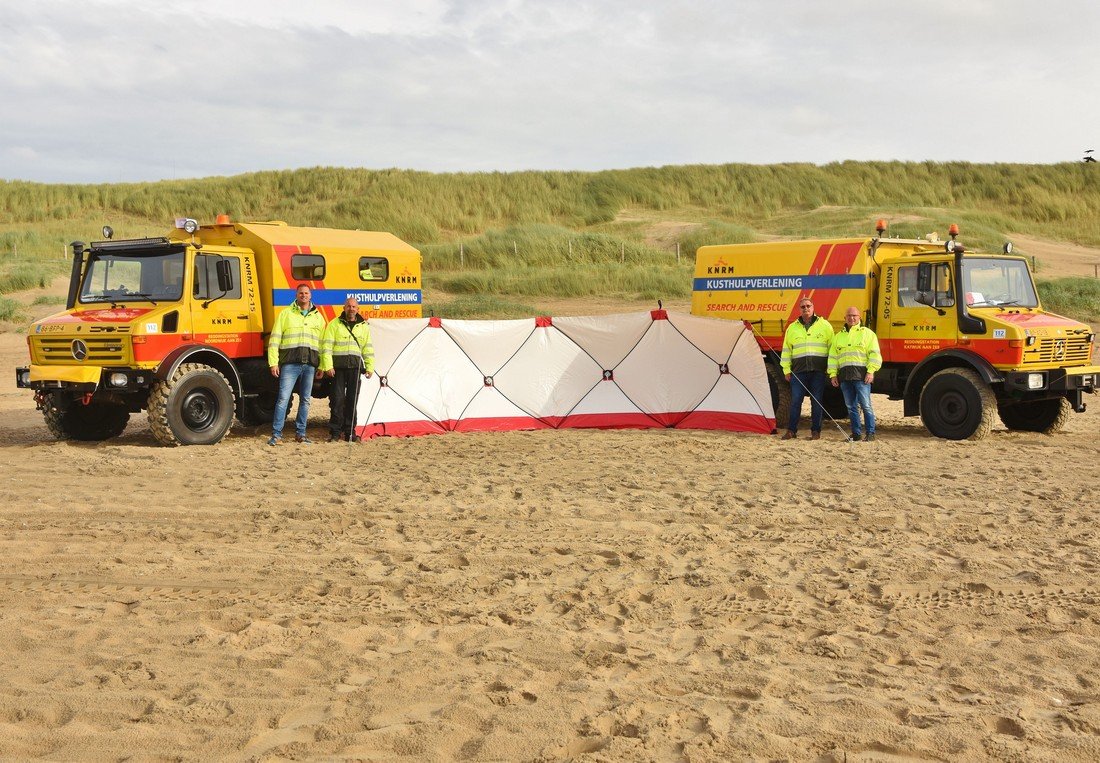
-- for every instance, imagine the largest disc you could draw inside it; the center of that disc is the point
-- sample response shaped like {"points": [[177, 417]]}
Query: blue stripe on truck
{"points": [[365, 296], [773, 283]]}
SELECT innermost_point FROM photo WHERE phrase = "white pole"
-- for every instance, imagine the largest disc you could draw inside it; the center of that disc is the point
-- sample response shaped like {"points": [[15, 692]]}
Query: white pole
{"points": [[461, 255], [677, 252], [570, 248], [622, 252], [515, 249]]}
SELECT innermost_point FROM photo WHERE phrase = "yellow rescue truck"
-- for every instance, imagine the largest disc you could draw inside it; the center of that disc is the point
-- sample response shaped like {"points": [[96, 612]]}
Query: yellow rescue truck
{"points": [[963, 335], [177, 325]]}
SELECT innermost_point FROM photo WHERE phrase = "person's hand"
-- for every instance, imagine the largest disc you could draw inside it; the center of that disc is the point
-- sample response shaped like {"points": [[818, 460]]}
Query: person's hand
{"points": [[369, 374], [318, 374], [275, 371], [834, 382], [787, 377], [331, 372], [869, 378]]}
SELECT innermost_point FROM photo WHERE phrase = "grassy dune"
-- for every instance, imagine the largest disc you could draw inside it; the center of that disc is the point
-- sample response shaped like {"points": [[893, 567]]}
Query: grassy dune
{"points": [[573, 234]]}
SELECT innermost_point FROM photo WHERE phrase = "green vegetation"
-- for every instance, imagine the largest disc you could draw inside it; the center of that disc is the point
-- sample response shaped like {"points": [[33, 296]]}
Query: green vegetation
{"points": [[10, 310], [483, 306], [1075, 297], [611, 234], [23, 276]]}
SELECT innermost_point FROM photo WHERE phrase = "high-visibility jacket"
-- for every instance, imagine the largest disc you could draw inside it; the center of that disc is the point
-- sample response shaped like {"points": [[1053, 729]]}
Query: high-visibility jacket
{"points": [[806, 348], [854, 353], [296, 338], [347, 345]]}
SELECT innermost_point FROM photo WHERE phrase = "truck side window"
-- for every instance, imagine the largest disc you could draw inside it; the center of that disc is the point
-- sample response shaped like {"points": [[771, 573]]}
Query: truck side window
{"points": [[907, 286], [206, 277], [374, 268], [307, 267], [941, 280]]}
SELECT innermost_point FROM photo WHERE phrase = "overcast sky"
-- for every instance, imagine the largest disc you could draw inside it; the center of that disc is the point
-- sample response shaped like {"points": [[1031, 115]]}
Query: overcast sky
{"points": [[119, 90]]}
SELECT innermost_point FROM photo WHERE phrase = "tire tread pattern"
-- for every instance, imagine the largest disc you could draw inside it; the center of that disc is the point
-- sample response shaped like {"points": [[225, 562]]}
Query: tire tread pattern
{"points": [[985, 394], [159, 398]]}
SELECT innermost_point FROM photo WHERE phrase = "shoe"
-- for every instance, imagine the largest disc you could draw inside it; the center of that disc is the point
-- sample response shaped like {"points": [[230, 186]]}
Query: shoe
{"points": [[356, 438], [335, 438], [302, 439], [788, 435], [869, 437], [815, 435], [274, 440]]}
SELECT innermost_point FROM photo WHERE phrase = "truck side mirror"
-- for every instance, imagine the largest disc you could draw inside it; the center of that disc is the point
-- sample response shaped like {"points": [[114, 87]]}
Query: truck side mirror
{"points": [[924, 278], [225, 276]]}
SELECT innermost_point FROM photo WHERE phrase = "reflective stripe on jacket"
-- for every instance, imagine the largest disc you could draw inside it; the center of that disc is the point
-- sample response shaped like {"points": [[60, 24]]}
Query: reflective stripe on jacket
{"points": [[345, 345], [296, 338], [854, 353], [806, 349]]}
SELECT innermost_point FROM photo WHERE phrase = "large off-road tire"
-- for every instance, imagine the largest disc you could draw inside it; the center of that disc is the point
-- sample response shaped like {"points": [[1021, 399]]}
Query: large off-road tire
{"points": [[1046, 416], [956, 404], [194, 407], [781, 395], [69, 419]]}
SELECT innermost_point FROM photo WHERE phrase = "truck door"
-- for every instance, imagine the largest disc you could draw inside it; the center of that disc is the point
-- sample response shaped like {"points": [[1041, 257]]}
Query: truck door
{"points": [[909, 329], [224, 305]]}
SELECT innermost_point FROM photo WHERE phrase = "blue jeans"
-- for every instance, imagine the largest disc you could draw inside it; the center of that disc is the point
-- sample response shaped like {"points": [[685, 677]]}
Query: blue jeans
{"points": [[289, 375], [815, 382], [857, 396]]}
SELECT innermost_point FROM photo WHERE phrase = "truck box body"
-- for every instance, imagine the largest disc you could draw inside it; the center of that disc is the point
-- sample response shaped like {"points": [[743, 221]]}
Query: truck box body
{"points": [[329, 261]]}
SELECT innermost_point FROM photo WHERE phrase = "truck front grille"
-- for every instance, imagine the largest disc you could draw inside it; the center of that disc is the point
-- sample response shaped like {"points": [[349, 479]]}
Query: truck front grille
{"points": [[102, 349], [1070, 351]]}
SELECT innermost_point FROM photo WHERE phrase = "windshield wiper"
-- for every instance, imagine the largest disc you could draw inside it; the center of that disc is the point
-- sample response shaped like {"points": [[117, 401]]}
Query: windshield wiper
{"points": [[148, 297]]}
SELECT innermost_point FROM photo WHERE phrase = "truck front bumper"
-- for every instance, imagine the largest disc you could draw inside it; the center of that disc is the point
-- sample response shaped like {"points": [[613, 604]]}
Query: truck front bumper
{"points": [[1071, 383], [82, 379]]}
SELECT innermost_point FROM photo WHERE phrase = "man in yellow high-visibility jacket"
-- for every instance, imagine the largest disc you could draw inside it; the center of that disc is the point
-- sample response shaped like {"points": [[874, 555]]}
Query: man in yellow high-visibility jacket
{"points": [[854, 357], [294, 355], [346, 352], [804, 360]]}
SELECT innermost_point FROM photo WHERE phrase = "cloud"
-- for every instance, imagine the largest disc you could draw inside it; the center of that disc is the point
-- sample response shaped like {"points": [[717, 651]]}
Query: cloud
{"points": [[116, 90]]}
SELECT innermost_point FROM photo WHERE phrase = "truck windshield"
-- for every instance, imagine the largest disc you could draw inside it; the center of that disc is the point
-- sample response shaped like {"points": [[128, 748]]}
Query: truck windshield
{"points": [[118, 277], [992, 282]]}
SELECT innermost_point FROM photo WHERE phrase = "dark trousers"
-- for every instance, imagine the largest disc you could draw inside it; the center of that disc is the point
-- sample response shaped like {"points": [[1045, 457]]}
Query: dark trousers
{"points": [[342, 402], [814, 381]]}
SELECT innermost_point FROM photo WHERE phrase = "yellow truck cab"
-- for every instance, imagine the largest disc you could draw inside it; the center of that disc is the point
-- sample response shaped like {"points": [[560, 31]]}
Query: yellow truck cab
{"points": [[177, 325], [963, 335]]}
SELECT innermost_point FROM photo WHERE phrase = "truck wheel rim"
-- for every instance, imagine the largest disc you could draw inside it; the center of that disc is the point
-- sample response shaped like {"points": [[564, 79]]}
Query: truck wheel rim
{"points": [[200, 409], [952, 408]]}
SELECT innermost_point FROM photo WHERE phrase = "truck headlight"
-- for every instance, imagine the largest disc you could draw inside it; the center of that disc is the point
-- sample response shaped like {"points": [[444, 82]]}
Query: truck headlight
{"points": [[25, 378], [119, 380], [1034, 381]]}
